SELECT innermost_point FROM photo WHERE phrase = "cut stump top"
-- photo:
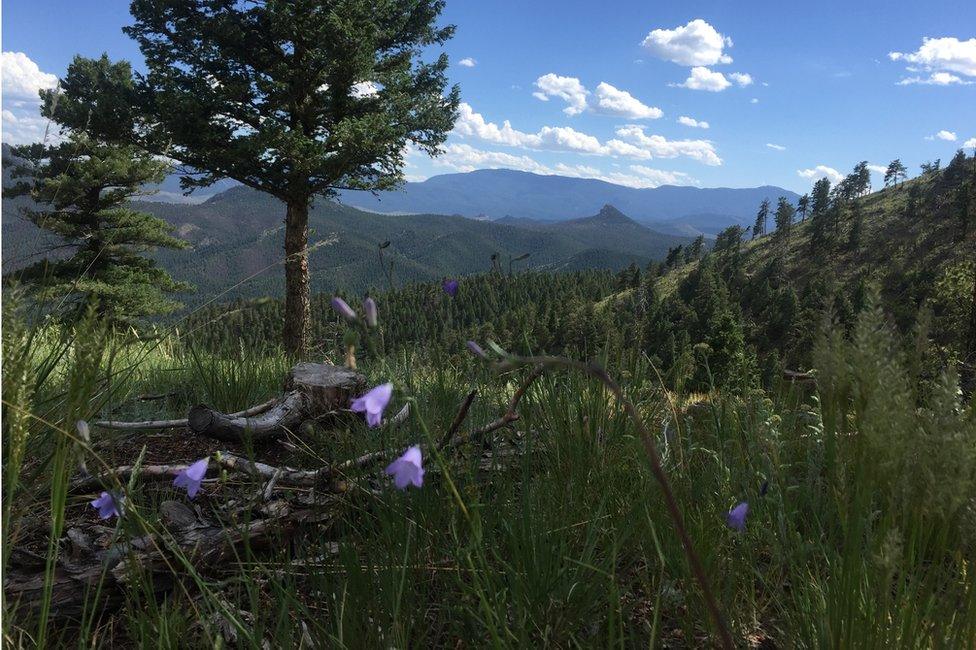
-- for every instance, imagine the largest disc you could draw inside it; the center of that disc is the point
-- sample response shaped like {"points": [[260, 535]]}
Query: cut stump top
{"points": [[328, 387]]}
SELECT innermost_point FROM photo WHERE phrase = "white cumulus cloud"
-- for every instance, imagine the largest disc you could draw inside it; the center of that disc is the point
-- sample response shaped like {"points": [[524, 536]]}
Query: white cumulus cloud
{"points": [[568, 89], [695, 44], [467, 62], [631, 141], [620, 103], [21, 127], [705, 79], [692, 122], [21, 117], [941, 57], [969, 144], [741, 78], [660, 147], [821, 171], [23, 79], [777, 147], [948, 136], [606, 100]]}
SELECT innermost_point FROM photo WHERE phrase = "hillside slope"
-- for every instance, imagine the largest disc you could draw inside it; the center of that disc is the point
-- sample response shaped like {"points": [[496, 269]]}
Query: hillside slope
{"points": [[912, 246]]}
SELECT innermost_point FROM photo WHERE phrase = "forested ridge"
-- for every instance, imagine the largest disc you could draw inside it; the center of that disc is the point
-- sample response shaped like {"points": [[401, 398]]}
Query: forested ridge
{"points": [[739, 313]]}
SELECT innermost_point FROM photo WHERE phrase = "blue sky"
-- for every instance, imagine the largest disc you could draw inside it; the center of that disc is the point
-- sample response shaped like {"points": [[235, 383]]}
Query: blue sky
{"points": [[598, 90]]}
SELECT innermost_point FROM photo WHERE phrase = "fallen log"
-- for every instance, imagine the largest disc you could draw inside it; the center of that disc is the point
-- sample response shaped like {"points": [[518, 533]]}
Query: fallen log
{"points": [[177, 424], [314, 390]]}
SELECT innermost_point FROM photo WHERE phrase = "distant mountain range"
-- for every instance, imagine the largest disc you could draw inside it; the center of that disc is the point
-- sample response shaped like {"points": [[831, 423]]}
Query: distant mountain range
{"points": [[239, 233], [499, 193], [237, 244], [561, 223]]}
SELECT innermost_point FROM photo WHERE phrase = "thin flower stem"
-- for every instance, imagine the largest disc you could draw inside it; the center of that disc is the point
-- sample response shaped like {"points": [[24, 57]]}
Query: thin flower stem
{"points": [[597, 372]]}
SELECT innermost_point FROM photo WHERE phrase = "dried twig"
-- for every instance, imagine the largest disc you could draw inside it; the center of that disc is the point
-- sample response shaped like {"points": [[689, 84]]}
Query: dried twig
{"points": [[510, 415], [284, 475], [458, 419]]}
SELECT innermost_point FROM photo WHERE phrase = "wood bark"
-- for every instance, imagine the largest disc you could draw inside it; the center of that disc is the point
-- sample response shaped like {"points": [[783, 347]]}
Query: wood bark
{"points": [[285, 416], [314, 390], [297, 305]]}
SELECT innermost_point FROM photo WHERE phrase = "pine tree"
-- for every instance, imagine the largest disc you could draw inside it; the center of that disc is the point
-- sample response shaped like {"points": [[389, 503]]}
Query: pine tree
{"points": [[802, 206], [819, 219], [862, 179], [784, 218], [760, 226], [297, 99], [695, 249], [83, 188], [896, 170]]}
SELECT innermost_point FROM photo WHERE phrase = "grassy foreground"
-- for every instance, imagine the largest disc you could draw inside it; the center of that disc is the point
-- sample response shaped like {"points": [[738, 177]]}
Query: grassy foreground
{"points": [[864, 536]]}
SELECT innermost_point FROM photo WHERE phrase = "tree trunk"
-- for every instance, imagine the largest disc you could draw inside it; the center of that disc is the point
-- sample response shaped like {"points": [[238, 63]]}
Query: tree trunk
{"points": [[297, 306]]}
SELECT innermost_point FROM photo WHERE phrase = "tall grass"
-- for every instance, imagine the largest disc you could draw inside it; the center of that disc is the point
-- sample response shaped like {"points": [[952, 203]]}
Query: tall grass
{"points": [[558, 535]]}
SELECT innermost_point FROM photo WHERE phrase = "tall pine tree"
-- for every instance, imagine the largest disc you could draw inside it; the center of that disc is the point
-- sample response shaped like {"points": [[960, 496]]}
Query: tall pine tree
{"points": [[296, 98], [82, 189], [760, 226]]}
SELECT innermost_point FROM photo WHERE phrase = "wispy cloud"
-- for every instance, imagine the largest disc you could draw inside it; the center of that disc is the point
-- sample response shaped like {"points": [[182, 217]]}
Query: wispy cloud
{"points": [[692, 122]]}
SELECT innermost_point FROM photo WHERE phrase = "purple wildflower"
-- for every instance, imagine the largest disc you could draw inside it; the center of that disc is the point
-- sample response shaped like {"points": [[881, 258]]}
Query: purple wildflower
{"points": [[343, 308], [476, 350], [372, 403], [191, 478], [407, 469], [107, 505], [369, 307], [450, 287], [736, 518]]}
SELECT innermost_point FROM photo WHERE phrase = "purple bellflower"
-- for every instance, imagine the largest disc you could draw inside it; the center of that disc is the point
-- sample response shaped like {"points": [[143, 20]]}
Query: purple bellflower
{"points": [[372, 403], [343, 308], [450, 287], [369, 307], [736, 517], [476, 350], [107, 505], [191, 478], [407, 469]]}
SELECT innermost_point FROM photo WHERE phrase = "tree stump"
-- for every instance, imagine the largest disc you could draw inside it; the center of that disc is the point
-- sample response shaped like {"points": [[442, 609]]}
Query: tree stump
{"points": [[328, 388], [313, 390]]}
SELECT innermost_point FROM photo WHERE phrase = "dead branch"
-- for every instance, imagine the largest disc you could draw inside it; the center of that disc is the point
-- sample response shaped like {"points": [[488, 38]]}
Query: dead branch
{"points": [[286, 415], [176, 424], [458, 419], [510, 415], [286, 476]]}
